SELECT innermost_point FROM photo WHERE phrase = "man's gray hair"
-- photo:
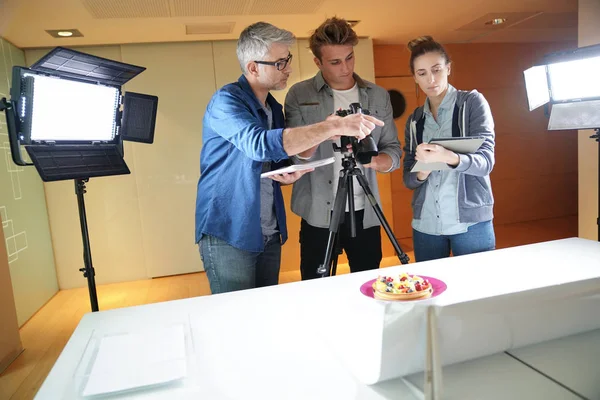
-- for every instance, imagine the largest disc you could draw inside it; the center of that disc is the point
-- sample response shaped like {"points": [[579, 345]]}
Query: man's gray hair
{"points": [[255, 42]]}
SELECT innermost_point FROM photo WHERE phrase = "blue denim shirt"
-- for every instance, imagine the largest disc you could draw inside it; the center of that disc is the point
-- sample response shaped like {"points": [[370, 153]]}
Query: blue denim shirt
{"points": [[236, 140]]}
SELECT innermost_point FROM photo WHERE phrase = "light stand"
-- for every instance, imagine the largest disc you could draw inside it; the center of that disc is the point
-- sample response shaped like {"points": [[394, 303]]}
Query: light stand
{"points": [[345, 191], [88, 269]]}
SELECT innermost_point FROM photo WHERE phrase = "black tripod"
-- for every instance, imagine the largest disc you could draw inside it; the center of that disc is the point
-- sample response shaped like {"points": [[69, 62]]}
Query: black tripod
{"points": [[88, 269], [345, 191]]}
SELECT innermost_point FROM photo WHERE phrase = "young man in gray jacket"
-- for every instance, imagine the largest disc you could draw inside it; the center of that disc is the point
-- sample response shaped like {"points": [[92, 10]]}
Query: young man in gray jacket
{"points": [[336, 86]]}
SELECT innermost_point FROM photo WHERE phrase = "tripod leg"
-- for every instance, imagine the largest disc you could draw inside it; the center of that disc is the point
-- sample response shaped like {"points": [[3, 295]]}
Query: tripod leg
{"points": [[402, 256], [337, 250], [339, 206], [351, 206], [324, 269], [334, 265]]}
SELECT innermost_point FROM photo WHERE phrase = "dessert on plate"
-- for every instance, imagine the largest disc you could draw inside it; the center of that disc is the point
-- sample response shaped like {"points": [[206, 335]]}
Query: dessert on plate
{"points": [[402, 287]]}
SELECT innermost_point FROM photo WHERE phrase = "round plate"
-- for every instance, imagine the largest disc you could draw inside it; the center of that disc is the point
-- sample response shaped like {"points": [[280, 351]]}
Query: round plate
{"points": [[438, 287]]}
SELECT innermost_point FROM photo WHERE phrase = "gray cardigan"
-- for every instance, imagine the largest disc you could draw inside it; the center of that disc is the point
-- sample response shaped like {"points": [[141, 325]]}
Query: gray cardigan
{"points": [[475, 198], [311, 101]]}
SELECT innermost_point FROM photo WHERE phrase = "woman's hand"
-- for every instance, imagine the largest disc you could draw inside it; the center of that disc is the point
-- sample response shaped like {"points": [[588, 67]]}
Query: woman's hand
{"points": [[430, 153], [422, 175]]}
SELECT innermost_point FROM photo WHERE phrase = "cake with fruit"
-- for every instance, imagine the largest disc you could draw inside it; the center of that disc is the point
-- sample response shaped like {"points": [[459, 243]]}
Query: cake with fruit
{"points": [[403, 287]]}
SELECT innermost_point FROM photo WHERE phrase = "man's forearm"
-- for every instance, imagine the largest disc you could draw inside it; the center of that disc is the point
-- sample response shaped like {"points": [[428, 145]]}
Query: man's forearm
{"points": [[297, 140], [303, 138], [384, 162]]}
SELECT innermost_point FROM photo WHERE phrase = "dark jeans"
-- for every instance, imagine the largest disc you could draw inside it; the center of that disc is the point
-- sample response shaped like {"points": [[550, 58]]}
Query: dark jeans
{"points": [[363, 251], [479, 237], [229, 268]]}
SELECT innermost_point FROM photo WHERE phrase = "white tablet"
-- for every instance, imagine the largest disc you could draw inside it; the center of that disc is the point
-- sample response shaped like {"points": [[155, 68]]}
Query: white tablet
{"points": [[461, 145], [298, 167]]}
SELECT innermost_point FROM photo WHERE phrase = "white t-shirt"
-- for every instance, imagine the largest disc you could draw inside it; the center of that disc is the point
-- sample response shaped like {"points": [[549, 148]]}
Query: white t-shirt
{"points": [[342, 99]]}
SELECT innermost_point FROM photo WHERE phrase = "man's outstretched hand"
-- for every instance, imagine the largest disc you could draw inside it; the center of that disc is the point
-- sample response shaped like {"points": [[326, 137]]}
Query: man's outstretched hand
{"points": [[357, 125]]}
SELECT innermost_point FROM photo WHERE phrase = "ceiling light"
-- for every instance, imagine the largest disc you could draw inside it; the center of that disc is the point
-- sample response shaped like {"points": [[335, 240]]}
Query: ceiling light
{"points": [[64, 33], [496, 21]]}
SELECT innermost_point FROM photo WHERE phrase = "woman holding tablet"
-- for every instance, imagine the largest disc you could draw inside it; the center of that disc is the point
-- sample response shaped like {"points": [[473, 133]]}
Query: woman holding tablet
{"points": [[452, 207]]}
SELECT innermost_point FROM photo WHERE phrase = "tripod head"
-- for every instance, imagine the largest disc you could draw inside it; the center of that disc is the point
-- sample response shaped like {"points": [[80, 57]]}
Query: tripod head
{"points": [[364, 149]]}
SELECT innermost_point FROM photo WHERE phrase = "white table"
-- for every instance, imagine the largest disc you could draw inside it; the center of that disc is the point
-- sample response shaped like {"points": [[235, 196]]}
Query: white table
{"points": [[252, 344], [495, 301]]}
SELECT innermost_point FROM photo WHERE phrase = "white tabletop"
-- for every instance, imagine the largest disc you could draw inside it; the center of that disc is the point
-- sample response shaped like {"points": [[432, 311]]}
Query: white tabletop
{"points": [[277, 343]]}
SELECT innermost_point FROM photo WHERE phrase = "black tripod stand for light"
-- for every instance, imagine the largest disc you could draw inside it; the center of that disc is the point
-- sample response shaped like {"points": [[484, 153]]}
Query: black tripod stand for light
{"points": [[88, 269], [345, 191]]}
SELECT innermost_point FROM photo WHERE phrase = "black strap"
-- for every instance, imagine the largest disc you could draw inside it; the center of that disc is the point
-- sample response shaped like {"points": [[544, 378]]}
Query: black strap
{"points": [[420, 128], [455, 125]]}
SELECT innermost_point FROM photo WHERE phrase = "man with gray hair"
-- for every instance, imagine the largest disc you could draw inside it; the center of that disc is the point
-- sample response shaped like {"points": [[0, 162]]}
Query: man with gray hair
{"points": [[240, 218]]}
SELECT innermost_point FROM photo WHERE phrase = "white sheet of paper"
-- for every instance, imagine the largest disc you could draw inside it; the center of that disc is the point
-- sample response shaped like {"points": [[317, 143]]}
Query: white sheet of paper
{"points": [[134, 360], [299, 167]]}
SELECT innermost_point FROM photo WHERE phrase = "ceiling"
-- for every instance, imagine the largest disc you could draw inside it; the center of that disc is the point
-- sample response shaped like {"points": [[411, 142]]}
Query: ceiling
{"points": [[24, 22]]}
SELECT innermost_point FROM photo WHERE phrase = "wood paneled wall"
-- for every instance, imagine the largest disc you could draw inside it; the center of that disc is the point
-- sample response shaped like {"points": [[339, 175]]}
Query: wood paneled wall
{"points": [[535, 176]]}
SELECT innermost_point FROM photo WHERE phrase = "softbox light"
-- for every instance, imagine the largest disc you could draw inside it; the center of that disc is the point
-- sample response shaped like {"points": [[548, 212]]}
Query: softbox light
{"points": [[68, 112], [568, 81]]}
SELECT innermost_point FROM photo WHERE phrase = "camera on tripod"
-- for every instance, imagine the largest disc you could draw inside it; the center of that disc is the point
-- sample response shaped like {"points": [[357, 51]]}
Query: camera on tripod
{"points": [[363, 149]]}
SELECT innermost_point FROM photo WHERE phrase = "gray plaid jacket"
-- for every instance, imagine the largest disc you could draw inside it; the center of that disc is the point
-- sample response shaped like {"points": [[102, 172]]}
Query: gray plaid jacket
{"points": [[311, 101]]}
